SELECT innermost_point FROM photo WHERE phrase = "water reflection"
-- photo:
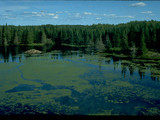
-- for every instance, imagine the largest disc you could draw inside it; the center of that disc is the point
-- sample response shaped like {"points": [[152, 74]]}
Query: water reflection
{"points": [[141, 73], [124, 69], [15, 54], [131, 69]]}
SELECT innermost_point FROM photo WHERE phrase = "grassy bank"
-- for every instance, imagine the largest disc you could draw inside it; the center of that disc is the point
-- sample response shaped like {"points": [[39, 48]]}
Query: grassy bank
{"points": [[70, 45], [150, 55], [34, 44]]}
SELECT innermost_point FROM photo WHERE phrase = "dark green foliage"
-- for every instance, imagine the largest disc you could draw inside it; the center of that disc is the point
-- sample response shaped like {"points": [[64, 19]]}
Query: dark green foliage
{"points": [[142, 47], [158, 39], [108, 43], [5, 42], [124, 42], [1, 38], [121, 36], [30, 37], [100, 45], [43, 38], [24, 37], [16, 41]]}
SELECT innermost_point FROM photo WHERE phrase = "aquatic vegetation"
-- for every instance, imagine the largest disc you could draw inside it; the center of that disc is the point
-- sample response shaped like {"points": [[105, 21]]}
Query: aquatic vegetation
{"points": [[121, 83], [105, 112], [155, 73], [76, 83], [56, 73], [22, 87], [153, 111]]}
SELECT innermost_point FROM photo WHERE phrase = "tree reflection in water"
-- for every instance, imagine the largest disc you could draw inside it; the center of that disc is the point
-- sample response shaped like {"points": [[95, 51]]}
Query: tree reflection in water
{"points": [[15, 54]]}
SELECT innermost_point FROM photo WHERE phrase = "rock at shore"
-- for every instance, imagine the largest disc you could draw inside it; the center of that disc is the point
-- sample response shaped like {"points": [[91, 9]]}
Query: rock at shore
{"points": [[33, 51]]}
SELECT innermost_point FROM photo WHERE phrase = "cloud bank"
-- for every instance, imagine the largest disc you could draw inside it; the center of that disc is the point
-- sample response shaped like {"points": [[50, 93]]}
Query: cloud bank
{"points": [[147, 12], [140, 4]]}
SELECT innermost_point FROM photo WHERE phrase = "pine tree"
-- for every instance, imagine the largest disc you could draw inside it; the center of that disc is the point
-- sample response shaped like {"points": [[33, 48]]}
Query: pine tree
{"points": [[24, 37], [158, 39], [124, 42], [108, 43], [147, 39], [3, 35], [154, 39], [1, 38], [50, 42], [100, 45], [29, 37], [43, 38], [133, 50], [16, 41], [5, 42], [142, 47], [8, 36]]}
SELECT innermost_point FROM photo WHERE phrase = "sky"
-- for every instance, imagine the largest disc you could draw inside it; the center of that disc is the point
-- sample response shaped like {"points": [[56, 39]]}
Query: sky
{"points": [[33, 12]]}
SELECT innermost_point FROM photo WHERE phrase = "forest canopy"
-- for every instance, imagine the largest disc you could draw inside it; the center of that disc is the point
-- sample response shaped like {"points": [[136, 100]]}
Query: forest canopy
{"points": [[142, 35]]}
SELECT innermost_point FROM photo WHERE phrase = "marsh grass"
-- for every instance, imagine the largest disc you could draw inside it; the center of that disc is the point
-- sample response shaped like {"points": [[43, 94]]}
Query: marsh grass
{"points": [[86, 85]]}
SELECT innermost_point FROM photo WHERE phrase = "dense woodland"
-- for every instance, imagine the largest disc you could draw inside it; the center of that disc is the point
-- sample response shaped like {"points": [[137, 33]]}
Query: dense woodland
{"points": [[139, 36]]}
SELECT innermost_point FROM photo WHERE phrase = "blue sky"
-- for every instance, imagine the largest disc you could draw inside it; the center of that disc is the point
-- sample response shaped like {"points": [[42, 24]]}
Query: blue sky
{"points": [[77, 12]]}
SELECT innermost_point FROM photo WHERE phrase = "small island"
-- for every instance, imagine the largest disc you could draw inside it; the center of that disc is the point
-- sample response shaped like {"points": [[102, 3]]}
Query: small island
{"points": [[33, 51]]}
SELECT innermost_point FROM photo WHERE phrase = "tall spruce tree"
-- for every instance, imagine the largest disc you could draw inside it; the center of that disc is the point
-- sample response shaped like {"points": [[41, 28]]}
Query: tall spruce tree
{"points": [[16, 41], [108, 43], [43, 38], [30, 39], [124, 42], [5, 42], [100, 45], [1, 37], [142, 49]]}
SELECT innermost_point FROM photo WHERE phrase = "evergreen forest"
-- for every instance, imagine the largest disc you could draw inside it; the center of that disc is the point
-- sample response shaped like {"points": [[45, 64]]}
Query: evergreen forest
{"points": [[141, 36]]}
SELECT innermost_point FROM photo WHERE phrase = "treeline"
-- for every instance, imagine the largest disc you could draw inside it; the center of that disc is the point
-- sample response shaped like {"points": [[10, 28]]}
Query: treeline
{"points": [[133, 36]]}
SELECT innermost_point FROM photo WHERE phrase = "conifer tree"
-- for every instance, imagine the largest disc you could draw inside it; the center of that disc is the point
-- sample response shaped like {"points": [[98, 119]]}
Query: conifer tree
{"points": [[100, 45], [43, 38], [1, 38], [29, 37], [16, 41], [5, 42], [124, 42], [142, 47], [108, 43]]}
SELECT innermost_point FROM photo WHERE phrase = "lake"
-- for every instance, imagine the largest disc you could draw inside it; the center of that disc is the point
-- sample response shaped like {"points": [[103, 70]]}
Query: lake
{"points": [[76, 81]]}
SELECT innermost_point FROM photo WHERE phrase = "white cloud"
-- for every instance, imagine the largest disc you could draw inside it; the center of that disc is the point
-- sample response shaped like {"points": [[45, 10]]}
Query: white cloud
{"points": [[109, 15], [8, 16], [104, 14], [124, 16], [147, 12], [112, 15], [87, 13], [116, 16], [56, 17], [40, 14], [51, 14], [140, 4], [14, 8], [78, 15], [59, 12], [98, 18], [34, 12]]}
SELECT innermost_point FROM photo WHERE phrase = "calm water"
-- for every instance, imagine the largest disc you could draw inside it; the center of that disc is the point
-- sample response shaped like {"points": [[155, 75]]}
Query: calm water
{"points": [[74, 81]]}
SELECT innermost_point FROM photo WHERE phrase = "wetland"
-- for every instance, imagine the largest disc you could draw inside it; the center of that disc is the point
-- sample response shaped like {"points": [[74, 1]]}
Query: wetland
{"points": [[77, 81]]}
